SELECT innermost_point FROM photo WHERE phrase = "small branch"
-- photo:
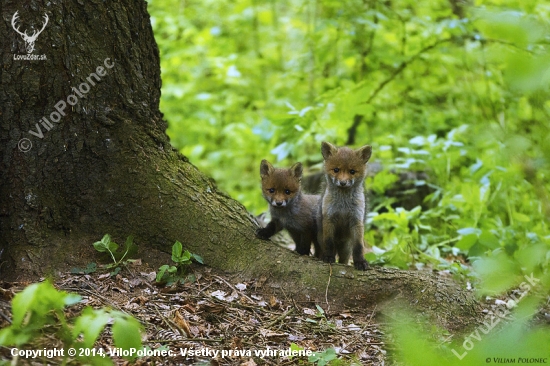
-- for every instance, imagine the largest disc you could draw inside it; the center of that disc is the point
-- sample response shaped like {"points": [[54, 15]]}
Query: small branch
{"points": [[326, 289], [280, 318], [403, 65], [353, 129], [358, 118], [205, 340]]}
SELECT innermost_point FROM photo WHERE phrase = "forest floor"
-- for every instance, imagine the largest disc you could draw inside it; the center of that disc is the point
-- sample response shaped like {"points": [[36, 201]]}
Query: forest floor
{"points": [[217, 319], [213, 314]]}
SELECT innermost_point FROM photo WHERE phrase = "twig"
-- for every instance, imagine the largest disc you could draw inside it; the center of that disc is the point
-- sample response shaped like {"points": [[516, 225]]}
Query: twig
{"points": [[328, 283], [205, 340], [403, 65], [358, 118], [234, 288], [280, 317]]}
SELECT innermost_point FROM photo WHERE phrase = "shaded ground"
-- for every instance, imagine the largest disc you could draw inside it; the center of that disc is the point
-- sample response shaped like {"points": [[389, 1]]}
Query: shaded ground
{"points": [[219, 312], [214, 313]]}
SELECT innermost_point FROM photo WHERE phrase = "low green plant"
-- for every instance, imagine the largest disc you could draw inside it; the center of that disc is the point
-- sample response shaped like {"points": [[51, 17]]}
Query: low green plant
{"points": [[323, 358], [38, 311], [119, 257], [320, 314], [90, 268], [170, 274]]}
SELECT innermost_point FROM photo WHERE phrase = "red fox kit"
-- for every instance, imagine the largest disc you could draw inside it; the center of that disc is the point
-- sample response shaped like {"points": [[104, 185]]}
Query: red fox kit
{"points": [[342, 209], [289, 208]]}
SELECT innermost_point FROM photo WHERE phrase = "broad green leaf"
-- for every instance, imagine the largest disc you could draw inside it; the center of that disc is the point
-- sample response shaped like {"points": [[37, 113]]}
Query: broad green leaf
{"points": [[197, 258], [466, 242], [520, 217], [487, 239], [90, 324], [126, 332], [177, 250], [106, 245], [497, 273]]}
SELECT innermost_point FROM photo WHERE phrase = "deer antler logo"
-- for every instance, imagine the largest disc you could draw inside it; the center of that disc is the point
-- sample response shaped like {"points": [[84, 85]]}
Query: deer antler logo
{"points": [[29, 40]]}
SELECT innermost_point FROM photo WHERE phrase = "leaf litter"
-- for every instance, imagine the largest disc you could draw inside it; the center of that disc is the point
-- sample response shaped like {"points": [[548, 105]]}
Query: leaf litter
{"points": [[214, 314]]}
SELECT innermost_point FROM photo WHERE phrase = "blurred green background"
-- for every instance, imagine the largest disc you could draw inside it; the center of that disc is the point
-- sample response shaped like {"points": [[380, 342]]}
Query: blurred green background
{"points": [[456, 90]]}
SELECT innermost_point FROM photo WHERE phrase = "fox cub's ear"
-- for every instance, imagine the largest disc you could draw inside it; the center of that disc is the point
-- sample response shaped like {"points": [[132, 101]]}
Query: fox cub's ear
{"points": [[265, 168], [364, 153], [296, 170], [328, 149]]}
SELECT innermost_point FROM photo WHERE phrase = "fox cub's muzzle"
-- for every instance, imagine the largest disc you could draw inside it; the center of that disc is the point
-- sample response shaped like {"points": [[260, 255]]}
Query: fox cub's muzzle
{"points": [[276, 203], [343, 183]]}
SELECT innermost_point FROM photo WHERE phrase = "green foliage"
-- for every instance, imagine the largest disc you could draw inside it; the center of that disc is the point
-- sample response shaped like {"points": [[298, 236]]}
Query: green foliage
{"points": [[171, 274], [38, 311], [37, 305], [497, 340], [90, 268], [119, 257], [464, 99], [295, 347], [323, 358]]}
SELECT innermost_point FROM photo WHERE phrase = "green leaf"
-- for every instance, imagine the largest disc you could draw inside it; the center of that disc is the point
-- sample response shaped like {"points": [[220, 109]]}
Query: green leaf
{"points": [[295, 347], [90, 268], [497, 273], [130, 249], [15, 337], [190, 278], [90, 324], [185, 257], [106, 245], [72, 298], [320, 310], [466, 242], [177, 250], [33, 308], [324, 357], [126, 332], [488, 240], [529, 257], [518, 216], [162, 270], [371, 257], [197, 258], [172, 269], [468, 231]]}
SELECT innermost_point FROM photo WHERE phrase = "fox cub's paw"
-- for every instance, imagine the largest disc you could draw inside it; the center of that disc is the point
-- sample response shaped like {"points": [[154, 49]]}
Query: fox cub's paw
{"points": [[329, 258], [361, 265], [263, 233]]}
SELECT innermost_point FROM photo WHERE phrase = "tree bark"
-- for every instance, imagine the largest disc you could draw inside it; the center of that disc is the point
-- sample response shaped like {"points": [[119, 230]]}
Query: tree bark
{"points": [[107, 166]]}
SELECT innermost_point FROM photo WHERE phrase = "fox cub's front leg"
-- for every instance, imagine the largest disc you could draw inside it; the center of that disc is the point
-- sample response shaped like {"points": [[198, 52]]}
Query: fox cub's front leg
{"points": [[303, 242], [267, 232], [328, 244], [358, 251]]}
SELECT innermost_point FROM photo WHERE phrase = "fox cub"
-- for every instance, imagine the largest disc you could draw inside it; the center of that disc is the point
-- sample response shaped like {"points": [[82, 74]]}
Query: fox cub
{"points": [[289, 208], [342, 210]]}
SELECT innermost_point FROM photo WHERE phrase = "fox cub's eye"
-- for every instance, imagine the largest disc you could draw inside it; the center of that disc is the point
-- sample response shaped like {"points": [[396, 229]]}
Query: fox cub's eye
{"points": [[287, 191], [352, 172], [336, 170], [271, 190]]}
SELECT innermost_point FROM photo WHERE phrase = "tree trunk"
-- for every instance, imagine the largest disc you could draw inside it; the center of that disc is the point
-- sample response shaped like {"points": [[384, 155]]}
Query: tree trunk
{"points": [[100, 162]]}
